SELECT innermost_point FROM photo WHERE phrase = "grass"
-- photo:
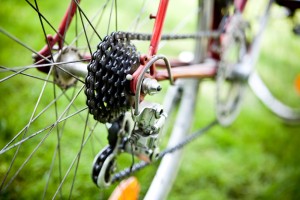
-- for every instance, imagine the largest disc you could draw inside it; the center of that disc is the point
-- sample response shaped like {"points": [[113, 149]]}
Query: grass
{"points": [[255, 158], [252, 159]]}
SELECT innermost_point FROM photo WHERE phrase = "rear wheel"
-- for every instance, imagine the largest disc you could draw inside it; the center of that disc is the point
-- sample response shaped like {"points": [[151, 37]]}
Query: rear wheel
{"points": [[49, 139]]}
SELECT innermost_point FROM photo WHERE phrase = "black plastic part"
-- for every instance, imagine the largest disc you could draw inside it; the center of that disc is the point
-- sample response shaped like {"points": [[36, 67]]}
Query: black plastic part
{"points": [[294, 4]]}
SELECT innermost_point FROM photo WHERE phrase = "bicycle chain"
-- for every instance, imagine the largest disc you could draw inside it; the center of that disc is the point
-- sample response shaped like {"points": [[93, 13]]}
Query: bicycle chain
{"points": [[98, 163], [202, 34], [138, 166]]}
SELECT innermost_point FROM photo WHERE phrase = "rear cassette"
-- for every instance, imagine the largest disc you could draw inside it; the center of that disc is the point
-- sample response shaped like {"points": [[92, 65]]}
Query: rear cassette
{"points": [[107, 88]]}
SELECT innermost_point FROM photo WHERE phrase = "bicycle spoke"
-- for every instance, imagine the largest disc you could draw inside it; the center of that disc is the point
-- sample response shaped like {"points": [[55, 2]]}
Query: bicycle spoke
{"points": [[51, 127], [85, 33], [47, 21], [58, 134], [50, 171], [21, 72], [25, 131], [73, 162], [78, 35], [6, 69], [38, 115], [87, 19], [57, 151], [73, 114], [76, 109], [40, 131], [27, 126], [69, 73], [22, 44], [79, 155], [181, 25], [29, 157], [116, 14], [110, 14], [138, 18], [58, 146], [44, 31], [61, 119], [99, 18]]}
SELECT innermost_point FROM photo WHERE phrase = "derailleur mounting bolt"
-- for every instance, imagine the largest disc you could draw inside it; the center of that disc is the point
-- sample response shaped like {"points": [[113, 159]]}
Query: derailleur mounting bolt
{"points": [[150, 86]]}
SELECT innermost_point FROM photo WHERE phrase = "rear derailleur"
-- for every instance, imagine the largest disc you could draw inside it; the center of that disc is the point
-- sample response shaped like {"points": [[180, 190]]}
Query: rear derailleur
{"points": [[137, 135]]}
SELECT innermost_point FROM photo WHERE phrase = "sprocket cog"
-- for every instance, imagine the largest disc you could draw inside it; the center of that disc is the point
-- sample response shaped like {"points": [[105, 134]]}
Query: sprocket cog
{"points": [[107, 89]]}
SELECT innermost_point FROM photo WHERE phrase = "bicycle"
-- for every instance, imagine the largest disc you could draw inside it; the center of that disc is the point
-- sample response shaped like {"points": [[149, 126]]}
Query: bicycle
{"points": [[118, 80]]}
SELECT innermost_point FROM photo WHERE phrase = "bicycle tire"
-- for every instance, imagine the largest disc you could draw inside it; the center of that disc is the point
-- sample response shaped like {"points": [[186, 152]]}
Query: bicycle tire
{"points": [[269, 90]]}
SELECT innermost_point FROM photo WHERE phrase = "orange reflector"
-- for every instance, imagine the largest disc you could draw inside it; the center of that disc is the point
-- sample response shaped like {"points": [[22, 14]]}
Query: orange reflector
{"points": [[297, 84], [127, 190]]}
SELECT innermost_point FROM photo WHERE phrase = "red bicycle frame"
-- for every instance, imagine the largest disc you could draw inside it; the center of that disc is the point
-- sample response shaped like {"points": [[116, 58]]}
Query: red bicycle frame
{"points": [[181, 70], [160, 19], [58, 38]]}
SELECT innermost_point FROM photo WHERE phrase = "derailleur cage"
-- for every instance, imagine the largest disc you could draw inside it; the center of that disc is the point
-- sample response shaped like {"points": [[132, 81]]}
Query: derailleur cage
{"points": [[136, 135]]}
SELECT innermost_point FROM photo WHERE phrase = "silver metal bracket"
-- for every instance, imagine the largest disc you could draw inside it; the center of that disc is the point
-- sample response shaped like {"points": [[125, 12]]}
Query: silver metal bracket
{"points": [[144, 138]]}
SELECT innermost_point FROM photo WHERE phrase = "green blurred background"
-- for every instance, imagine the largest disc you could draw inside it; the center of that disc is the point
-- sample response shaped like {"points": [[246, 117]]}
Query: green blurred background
{"points": [[257, 157]]}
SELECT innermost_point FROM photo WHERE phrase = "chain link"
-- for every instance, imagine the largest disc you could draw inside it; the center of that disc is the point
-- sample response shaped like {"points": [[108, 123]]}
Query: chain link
{"points": [[202, 34]]}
